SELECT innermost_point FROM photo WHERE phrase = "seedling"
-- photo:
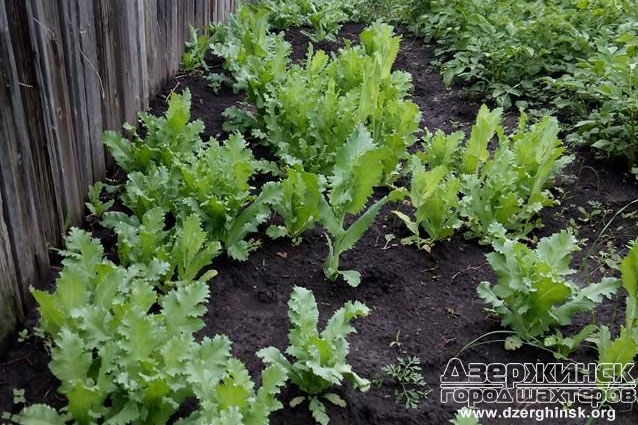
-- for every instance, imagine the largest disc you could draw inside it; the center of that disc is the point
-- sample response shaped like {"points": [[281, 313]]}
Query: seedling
{"points": [[407, 377], [320, 359]]}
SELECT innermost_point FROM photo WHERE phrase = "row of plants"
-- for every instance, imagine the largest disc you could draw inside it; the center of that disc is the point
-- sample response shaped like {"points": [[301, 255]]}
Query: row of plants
{"points": [[122, 336], [122, 333], [334, 121], [575, 56], [493, 194]]}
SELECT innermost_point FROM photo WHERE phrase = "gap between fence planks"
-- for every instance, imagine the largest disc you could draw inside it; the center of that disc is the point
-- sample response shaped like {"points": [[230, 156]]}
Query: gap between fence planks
{"points": [[69, 70]]}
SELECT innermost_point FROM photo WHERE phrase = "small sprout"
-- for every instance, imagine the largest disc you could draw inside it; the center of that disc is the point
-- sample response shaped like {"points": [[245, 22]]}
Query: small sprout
{"points": [[513, 343], [95, 205], [452, 313], [396, 343], [18, 396], [388, 241], [406, 375], [23, 335]]}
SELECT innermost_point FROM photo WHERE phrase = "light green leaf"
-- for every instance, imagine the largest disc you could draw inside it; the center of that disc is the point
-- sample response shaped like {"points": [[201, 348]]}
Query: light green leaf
{"points": [[40, 414], [335, 399]]}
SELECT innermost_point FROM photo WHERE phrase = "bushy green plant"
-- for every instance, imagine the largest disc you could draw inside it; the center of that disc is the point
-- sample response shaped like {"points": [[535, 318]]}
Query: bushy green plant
{"points": [[126, 354], [469, 185], [306, 198], [506, 49], [325, 16], [509, 186], [434, 194], [179, 253], [95, 205], [226, 392], [320, 359], [315, 107], [533, 294], [623, 349], [606, 87], [185, 176], [254, 56], [114, 357], [196, 49], [165, 140]]}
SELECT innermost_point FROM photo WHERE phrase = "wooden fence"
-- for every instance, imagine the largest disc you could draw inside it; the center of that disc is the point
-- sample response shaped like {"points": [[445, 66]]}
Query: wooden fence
{"points": [[70, 69]]}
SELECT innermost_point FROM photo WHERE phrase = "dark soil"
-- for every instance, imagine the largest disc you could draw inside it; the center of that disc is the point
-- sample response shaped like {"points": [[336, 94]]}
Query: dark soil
{"points": [[425, 301]]}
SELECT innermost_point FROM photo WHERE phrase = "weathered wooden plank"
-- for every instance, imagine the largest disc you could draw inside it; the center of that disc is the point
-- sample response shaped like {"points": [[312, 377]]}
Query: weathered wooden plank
{"points": [[22, 254], [10, 307], [58, 120], [153, 43], [129, 70], [107, 64], [76, 84], [139, 24], [10, 304], [174, 46], [50, 215], [94, 88]]}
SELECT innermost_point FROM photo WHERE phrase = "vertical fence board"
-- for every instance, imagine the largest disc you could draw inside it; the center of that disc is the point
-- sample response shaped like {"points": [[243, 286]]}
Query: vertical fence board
{"points": [[58, 112], [112, 115], [10, 310], [50, 216], [69, 70], [22, 249], [94, 88]]}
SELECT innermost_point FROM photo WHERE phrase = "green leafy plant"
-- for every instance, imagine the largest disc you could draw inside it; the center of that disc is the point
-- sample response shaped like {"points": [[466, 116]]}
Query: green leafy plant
{"points": [[506, 49], [96, 206], [407, 377], [509, 186], [606, 87], [320, 359], [474, 187], [298, 204], [302, 201], [180, 253], [183, 176], [563, 345], [314, 108], [114, 357], [325, 16], [624, 349], [196, 49], [254, 56], [391, 11], [434, 194], [532, 294], [166, 139], [225, 391], [126, 354]]}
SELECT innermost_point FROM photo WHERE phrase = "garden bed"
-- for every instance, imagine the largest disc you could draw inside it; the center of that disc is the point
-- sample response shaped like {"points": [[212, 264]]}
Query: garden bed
{"points": [[424, 302]]}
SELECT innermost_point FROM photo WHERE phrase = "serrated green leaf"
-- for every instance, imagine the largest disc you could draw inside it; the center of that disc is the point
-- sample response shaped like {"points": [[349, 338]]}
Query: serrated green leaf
{"points": [[184, 307], [40, 414], [335, 399], [513, 342], [70, 361], [476, 153], [297, 401], [318, 411], [178, 112], [352, 277]]}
